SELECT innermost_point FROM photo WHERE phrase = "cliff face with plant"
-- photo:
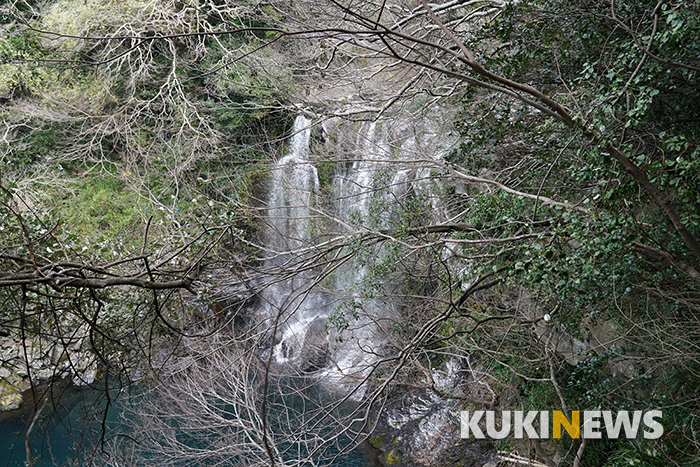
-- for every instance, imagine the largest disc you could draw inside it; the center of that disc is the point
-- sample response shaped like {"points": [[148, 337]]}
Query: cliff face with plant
{"points": [[122, 166], [469, 167]]}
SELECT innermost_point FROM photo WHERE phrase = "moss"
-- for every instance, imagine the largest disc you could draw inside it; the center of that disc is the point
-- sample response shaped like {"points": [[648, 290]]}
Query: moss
{"points": [[101, 204], [392, 458], [377, 441], [326, 173]]}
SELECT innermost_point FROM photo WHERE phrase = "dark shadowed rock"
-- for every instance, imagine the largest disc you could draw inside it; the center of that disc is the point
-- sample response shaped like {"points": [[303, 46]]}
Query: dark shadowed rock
{"points": [[314, 353], [419, 429]]}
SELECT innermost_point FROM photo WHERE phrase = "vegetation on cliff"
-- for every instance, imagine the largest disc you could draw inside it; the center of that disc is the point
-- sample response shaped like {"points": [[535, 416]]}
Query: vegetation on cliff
{"points": [[555, 247]]}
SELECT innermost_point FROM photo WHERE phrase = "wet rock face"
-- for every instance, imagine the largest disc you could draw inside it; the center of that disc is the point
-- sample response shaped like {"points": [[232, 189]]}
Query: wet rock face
{"points": [[32, 360], [419, 429], [314, 352]]}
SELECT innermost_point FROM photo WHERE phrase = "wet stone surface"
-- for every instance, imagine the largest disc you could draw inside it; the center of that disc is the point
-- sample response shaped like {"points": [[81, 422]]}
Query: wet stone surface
{"points": [[419, 428]]}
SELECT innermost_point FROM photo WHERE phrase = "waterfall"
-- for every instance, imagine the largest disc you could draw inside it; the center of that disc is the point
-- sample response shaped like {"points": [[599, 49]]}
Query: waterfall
{"points": [[373, 172], [292, 191]]}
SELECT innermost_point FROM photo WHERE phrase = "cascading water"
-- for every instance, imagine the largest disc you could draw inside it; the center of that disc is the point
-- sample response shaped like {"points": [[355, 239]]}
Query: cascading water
{"points": [[292, 192], [294, 187], [373, 169]]}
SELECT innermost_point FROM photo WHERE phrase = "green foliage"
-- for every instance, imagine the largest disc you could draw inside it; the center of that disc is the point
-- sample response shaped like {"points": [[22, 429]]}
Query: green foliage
{"points": [[126, 132], [34, 144], [98, 18], [181, 129], [16, 48], [584, 262], [102, 205]]}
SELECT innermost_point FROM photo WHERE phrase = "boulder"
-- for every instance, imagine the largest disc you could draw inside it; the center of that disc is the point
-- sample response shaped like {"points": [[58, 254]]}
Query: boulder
{"points": [[420, 429]]}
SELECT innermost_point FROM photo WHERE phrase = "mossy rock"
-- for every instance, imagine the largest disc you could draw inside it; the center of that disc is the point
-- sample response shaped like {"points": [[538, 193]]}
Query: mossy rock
{"points": [[392, 457], [377, 441]]}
